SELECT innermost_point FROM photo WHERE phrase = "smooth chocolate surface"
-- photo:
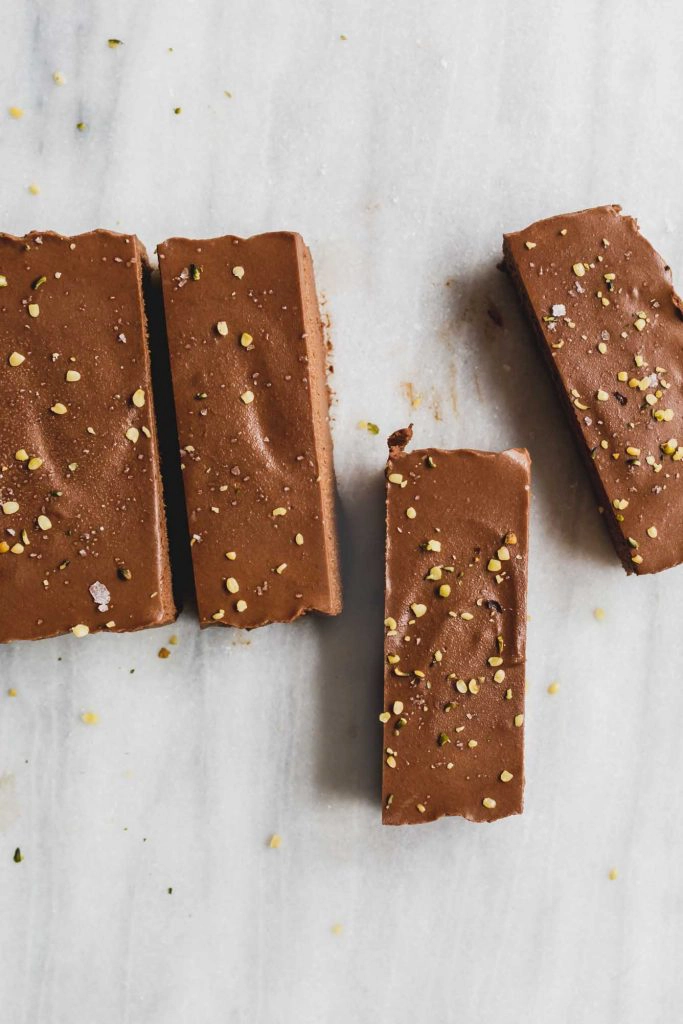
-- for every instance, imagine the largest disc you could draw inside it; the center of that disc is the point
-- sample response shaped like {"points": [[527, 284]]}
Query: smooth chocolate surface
{"points": [[609, 325], [249, 380], [455, 626], [83, 542]]}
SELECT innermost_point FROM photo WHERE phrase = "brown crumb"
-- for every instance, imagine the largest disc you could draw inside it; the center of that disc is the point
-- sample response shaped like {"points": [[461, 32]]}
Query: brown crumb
{"points": [[495, 314], [164, 652]]}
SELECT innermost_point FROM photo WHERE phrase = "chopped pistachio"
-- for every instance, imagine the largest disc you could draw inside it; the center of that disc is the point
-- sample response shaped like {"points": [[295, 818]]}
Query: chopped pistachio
{"points": [[247, 397], [397, 707], [16, 359], [489, 803], [279, 569], [279, 511], [231, 585], [390, 623], [44, 523], [529, 245], [499, 676], [384, 717], [519, 720], [579, 269], [503, 554], [246, 340], [494, 565], [10, 507], [602, 396], [391, 761], [506, 776], [238, 272], [410, 512], [433, 545], [33, 309], [652, 531], [21, 455], [138, 398], [241, 606], [467, 616], [395, 478], [443, 739], [34, 463], [553, 688], [220, 614], [494, 661], [472, 744], [231, 555], [80, 630], [418, 610], [59, 409], [444, 590], [275, 842], [299, 539], [222, 328], [639, 323], [133, 434], [113, 43]]}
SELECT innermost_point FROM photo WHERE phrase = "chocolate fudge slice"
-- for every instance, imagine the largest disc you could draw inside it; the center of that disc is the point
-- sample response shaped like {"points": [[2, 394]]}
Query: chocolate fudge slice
{"points": [[608, 322], [249, 381], [455, 633], [83, 543]]}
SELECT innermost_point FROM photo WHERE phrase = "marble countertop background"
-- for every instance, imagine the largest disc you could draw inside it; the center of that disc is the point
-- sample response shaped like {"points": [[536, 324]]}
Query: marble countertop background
{"points": [[401, 138]]}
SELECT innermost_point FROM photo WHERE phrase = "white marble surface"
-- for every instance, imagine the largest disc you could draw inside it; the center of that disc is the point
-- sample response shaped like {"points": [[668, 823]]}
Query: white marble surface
{"points": [[401, 153]]}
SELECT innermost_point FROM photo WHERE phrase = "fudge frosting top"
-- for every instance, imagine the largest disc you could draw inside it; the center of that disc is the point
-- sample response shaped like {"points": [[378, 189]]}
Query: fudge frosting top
{"points": [[455, 625], [248, 367], [610, 321], [82, 528]]}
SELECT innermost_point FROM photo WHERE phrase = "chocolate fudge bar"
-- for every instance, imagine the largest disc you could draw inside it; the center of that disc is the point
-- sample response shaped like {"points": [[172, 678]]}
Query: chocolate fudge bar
{"points": [[82, 526], [608, 322], [455, 626], [249, 381]]}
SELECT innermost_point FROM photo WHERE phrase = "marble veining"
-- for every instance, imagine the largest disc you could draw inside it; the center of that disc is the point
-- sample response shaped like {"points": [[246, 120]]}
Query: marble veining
{"points": [[401, 139]]}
